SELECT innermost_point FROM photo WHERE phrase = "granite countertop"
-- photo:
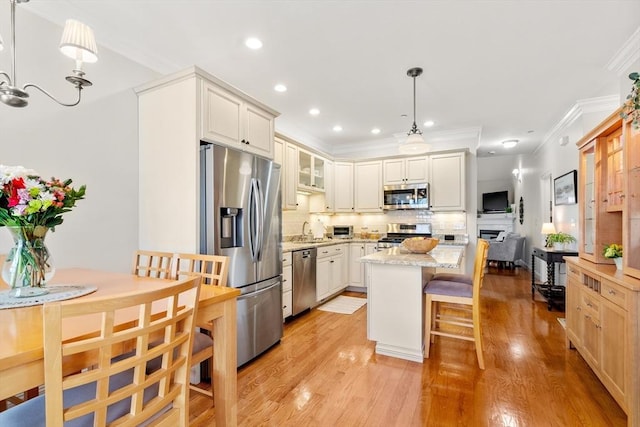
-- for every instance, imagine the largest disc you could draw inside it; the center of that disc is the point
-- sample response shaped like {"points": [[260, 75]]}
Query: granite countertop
{"points": [[296, 246], [443, 256]]}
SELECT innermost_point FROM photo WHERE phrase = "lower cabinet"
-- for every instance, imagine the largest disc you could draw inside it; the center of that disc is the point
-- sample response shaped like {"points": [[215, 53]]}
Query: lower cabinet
{"points": [[598, 325], [331, 270], [356, 268], [287, 283]]}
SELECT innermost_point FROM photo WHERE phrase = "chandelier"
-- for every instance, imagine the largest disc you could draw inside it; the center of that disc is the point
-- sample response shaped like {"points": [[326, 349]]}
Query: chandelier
{"points": [[415, 143], [77, 43]]}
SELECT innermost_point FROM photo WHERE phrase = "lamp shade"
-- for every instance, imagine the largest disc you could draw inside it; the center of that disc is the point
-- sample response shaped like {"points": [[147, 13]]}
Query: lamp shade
{"points": [[415, 144], [548, 228], [78, 42]]}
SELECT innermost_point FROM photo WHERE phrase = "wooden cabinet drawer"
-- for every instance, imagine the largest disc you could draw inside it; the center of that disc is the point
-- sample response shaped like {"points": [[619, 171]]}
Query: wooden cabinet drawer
{"points": [[614, 293], [590, 302], [573, 272], [286, 258]]}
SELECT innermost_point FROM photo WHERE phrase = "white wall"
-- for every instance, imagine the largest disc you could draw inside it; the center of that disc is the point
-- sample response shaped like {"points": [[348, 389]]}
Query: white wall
{"points": [[95, 143]]}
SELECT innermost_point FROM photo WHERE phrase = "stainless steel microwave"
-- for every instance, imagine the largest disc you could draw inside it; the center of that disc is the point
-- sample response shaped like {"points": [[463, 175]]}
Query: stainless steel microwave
{"points": [[342, 232], [406, 196]]}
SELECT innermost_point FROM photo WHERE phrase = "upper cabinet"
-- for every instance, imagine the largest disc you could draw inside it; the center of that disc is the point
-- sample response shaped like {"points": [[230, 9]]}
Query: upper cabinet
{"points": [[232, 120], [368, 186], [447, 181], [286, 154], [412, 170], [631, 215], [600, 211], [311, 173], [175, 113], [343, 187]]}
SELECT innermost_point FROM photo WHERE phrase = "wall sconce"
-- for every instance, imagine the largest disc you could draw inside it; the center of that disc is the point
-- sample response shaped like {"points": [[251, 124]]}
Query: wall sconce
{"points": [[516, 174]]}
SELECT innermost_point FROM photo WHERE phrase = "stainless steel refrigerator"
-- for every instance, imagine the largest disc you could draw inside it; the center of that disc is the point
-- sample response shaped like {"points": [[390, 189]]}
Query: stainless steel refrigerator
{"points": [[240, 218]]}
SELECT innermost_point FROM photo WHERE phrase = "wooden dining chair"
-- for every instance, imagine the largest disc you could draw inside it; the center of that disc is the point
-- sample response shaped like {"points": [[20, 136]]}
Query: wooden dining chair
{"points": [[444, 298], [155, 264], [104, 389], [27, 394], [214, 270]]}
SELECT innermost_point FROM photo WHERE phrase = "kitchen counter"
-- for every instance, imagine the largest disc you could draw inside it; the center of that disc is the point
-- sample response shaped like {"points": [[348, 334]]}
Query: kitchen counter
{"points": [[442, 256], [395, 299], [296, 246]]}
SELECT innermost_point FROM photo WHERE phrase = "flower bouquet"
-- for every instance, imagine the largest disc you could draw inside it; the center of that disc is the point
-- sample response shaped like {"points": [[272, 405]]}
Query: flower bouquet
{"points": [[29, 207]]}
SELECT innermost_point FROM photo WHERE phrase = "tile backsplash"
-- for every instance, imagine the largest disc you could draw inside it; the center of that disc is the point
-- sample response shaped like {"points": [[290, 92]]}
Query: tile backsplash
{"points": [[442, 222]]}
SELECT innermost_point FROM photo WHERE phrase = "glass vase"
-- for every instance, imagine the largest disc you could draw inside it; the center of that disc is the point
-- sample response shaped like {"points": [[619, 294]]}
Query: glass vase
{"points": [[618, 262], [28, 266]]}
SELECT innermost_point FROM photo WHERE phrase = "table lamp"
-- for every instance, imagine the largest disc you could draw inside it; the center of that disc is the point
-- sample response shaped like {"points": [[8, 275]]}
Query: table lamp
{"points": [[547, 228]]}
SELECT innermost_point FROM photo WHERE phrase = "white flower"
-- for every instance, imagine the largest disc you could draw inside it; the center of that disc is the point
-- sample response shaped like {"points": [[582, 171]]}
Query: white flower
{"points": [[7, 173]]}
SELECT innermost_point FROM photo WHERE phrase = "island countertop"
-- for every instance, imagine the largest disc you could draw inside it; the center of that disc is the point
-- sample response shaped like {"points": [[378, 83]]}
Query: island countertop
{"points": [[442, 256]]}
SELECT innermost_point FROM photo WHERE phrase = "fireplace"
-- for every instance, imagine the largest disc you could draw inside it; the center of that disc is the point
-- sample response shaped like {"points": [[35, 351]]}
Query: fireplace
{"points": [[488, 234]]}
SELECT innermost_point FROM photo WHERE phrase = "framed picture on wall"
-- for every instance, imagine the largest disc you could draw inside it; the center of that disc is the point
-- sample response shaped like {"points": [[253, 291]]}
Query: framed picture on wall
{"points": [[564, 189]]}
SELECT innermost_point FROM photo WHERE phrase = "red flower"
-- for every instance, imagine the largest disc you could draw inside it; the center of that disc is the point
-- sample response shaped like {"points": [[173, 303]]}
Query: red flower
{"points": [[15, 185]]}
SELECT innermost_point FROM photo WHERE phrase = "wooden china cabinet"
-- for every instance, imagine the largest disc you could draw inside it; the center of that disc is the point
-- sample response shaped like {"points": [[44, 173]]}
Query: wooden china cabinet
{"points": [[603, 303]]}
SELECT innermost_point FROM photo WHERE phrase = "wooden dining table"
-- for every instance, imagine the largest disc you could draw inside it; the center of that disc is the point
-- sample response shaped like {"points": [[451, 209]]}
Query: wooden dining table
{"points": [[21, 335]]}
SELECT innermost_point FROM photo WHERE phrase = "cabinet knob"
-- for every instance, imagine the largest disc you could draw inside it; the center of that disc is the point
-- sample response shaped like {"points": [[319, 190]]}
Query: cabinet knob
{"points": [[612, 292]]}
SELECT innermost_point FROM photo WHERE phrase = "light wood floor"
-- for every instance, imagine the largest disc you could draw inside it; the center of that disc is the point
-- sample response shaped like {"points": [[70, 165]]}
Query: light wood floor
{"points": [[325, 373]]}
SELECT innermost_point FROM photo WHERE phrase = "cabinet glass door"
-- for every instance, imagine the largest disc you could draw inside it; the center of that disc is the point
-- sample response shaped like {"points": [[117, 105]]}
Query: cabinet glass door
{"points": [[588, 200], [304, 169], [631, 245], [318, 173], [615, 165]]}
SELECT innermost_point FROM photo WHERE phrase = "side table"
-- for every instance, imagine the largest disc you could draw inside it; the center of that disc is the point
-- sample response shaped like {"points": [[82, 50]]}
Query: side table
{"points": [[553, 294]]}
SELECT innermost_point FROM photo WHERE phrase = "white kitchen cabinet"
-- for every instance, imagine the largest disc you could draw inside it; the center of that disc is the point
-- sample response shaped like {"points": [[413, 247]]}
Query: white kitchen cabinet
{"points": [[447, 181], [290, 177], [324, 202], [368, 186], [171, 111], [410, 170], [369, 248], [343, 187], [234, 121], [287, 282], [331, 275], [356, 268], [311, 173]]}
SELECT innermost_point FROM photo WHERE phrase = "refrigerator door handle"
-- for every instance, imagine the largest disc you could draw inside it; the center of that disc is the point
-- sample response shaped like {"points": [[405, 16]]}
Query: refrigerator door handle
{"points": [[256, 293], [260, 222], [253, 220]]}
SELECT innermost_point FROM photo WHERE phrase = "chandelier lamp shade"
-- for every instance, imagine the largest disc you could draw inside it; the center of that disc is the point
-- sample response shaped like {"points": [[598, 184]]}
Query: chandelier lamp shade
{"points": [[415, 143], [78, 43]]}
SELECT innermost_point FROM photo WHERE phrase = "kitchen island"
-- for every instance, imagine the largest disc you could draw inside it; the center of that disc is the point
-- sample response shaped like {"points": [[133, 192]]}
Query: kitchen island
{"points": [[395, 302]]}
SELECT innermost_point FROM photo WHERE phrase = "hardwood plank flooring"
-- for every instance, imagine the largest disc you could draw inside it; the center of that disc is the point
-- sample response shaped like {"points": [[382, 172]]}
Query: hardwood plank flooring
{"points": [[325, 373]]}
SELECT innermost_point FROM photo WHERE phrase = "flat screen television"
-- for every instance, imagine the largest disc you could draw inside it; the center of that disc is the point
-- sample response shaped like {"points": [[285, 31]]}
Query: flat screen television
{"points": [[495, 202]]}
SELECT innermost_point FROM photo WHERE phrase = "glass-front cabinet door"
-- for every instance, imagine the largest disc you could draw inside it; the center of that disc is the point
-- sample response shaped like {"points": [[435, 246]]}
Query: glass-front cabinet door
{"points": [[588, 198], [310, 171], [631, 244]]}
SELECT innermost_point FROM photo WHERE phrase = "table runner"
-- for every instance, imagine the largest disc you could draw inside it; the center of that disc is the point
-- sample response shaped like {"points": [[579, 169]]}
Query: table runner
{"points": [[56, 293]]}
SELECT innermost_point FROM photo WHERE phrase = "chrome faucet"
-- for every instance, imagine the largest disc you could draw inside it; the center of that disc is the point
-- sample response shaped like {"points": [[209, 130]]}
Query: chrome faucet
{"points": [[303, 225]]}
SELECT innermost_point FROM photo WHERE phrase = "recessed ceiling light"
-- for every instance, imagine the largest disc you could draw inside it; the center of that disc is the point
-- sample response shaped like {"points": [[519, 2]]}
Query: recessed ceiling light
{"points": [[375, 131], [510, 143], [428, 123], [314, 111], [337, 128], [253, 43], [280, 88]]}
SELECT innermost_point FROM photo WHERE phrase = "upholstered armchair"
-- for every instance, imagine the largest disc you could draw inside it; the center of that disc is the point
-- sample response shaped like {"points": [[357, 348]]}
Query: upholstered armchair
{"points": [[508, 251]]}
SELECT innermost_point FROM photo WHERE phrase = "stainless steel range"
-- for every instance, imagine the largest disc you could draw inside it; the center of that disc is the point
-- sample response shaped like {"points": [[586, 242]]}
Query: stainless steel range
{"points": [[396, 233]]}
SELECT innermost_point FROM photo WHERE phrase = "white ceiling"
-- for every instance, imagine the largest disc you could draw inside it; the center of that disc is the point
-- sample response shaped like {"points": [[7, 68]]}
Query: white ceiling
{"points": [[501, 69]]}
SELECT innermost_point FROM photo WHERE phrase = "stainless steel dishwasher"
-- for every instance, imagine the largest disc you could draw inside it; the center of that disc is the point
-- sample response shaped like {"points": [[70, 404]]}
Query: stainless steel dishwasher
{"points": [[304, 280]]}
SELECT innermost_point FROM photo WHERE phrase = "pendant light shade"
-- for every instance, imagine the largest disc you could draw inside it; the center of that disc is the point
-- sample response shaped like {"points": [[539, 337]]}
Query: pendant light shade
{"points": [[415, 143]]}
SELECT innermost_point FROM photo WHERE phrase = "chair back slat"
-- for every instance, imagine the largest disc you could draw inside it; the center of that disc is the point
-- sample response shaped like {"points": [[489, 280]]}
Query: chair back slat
{"points": [[214, 269], [118, 388], [155, 264]]}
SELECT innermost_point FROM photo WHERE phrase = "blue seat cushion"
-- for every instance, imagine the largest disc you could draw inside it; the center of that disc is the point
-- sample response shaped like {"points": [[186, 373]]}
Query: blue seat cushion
{"points": [[32, 412], [449, 277], [444, 287], [200, 341]]}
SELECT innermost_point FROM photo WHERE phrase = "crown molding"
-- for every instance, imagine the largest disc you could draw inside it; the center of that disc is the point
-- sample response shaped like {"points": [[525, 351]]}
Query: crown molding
{"points": [[607, 104], [626, 55]]}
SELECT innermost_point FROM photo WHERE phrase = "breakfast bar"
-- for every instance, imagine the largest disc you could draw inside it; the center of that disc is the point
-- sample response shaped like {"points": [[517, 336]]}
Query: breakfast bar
{"points": [[395, 303]]}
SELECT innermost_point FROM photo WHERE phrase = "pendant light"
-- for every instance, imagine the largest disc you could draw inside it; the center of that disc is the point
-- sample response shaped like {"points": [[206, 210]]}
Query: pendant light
{"points": [[415, 143]]}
